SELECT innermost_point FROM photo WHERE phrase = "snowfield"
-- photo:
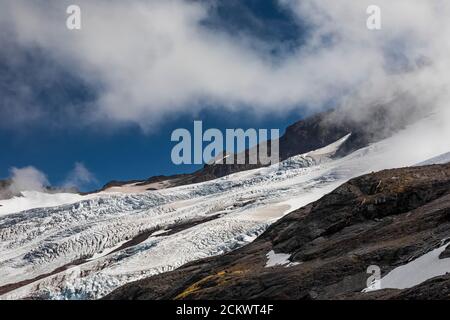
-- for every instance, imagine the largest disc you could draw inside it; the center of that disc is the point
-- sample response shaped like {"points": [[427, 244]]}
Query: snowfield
{"points": [[87, 248], [415, 272], [36, 199], [441, 159], [279, 259]]}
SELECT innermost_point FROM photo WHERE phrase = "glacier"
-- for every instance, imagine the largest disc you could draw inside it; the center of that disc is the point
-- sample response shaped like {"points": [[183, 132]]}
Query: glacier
{"points": [[87, 248]]}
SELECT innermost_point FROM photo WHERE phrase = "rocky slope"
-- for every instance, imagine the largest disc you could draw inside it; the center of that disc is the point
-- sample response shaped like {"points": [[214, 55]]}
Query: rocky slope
{"points": [[396, 219], [314, 132]]}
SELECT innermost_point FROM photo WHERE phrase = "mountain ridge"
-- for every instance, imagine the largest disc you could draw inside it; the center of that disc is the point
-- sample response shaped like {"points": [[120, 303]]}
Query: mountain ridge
{"points": [[311, 133]]}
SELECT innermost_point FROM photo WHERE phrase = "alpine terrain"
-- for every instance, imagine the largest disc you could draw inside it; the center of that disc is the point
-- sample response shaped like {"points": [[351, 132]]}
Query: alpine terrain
{"points": [[301, 228]]}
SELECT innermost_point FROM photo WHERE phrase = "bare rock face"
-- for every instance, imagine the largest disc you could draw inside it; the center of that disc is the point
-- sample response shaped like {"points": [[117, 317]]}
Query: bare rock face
{"points": [[4, 189], [386, 219], [445, 254]]}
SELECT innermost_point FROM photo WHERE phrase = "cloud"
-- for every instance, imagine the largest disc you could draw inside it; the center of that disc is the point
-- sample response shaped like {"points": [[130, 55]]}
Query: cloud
{"points": [[79, 177], [27, 179], [152, 60], [31, 179]]}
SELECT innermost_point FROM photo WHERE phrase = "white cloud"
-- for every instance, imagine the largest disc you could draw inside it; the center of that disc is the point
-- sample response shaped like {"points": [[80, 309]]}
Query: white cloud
{"points": [[152, 59], [31, 179], [79, 177], [27, 179]]}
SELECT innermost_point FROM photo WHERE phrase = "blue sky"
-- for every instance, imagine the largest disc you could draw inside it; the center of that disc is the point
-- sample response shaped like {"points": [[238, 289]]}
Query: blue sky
{"points": [[55, 142], [119, 154]]}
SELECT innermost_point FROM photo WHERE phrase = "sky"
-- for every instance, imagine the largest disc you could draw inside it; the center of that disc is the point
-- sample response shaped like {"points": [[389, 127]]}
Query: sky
{"points": [[121, 151], [84, 107], [121, 154]]}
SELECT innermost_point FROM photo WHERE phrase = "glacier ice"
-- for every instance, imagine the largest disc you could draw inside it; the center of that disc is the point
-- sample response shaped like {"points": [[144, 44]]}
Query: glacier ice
{"points": [[86, 249]]}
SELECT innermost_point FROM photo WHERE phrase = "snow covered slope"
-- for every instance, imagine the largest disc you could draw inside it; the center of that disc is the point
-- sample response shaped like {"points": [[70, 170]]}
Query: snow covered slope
{"points": [[415, 272], [86, 249], [36, 199], [441, 159]]}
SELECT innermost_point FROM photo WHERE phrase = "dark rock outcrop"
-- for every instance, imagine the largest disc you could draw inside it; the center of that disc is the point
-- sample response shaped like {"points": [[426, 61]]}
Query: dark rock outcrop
{"points": [[445, 254], [5, 193], [386, 219]]}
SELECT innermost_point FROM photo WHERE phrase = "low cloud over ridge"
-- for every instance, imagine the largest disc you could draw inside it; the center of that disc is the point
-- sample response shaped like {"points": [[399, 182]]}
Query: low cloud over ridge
{"points": [[150, 60]]}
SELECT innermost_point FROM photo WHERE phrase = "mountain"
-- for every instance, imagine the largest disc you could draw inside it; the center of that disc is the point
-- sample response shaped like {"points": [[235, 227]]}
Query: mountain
{"points": [[90, 246], [85, 246], [396, 219], [368, 125]]}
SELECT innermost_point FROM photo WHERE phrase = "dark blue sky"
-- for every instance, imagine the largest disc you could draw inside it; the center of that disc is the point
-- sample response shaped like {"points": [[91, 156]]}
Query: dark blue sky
{"points": [[121, 154], [112, 152]]}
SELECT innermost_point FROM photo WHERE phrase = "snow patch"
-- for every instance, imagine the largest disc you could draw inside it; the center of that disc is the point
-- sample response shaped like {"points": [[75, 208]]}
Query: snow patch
{"points": [[331, 149], [160, 232], [279, 259], [415, 272]]}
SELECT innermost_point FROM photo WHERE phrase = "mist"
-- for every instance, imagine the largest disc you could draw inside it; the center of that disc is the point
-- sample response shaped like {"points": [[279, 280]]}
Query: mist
{"points": [[79, 177], [27, 179]]}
